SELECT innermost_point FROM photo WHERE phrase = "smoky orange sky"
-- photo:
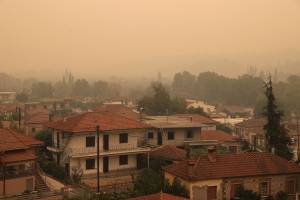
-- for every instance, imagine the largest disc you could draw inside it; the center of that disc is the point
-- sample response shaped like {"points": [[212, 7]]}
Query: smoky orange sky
{"points": [[97, 38]]}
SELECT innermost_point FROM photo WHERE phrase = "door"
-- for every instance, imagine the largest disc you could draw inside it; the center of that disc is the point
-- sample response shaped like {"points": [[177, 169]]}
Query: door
{"points": [[212, 193], [159, 138], [29, 185], [67, 169], [105, 164], [140, 161], [105, 142]]}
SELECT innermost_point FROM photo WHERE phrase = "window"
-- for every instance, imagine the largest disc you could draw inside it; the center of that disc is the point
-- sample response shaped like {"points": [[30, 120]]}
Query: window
{"points": [[150, 135], [234, 188], [123, 138], [123, 160], [33, 130], [90, 141], [291, 186], [171, 135], [90, 164], [264, 188], [189, 134]]}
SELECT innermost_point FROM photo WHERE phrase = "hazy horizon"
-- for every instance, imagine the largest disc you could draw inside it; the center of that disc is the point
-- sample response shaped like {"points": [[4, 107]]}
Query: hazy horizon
{"points": [[136, 38]]}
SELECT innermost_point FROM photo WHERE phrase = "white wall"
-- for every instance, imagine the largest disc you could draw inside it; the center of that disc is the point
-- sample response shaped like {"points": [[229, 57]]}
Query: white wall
{"points": [[179, 134], [113, 164]]}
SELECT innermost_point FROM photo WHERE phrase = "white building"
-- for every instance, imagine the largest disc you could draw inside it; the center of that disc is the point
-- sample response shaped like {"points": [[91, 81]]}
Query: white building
{"points": [[200, 104], [120, 141]]}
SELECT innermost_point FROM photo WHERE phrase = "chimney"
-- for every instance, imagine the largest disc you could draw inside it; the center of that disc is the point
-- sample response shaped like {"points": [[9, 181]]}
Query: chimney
{"points": [[212, 152]]}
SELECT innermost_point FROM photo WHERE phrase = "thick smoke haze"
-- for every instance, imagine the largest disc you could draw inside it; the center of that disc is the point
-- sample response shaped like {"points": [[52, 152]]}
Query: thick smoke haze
{"points": [[139, 38]]}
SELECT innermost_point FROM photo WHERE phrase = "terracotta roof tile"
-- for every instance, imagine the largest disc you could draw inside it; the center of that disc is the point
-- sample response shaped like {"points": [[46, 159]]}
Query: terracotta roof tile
{"points": [[88, 121], [218, 135], [169, 152], [17, 156], [11, 140], [232, 165], [159, 196]]}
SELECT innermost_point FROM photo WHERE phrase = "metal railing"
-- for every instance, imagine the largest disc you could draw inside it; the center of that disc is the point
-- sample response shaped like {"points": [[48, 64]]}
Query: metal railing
{"points": [[18, 173], [90, 150]]}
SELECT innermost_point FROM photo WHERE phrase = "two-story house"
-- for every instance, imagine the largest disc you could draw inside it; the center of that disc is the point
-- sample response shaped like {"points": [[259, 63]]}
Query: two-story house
{"points": [[120, 142], [217, 177], [175, 130], [18, 162], [253, 132]]}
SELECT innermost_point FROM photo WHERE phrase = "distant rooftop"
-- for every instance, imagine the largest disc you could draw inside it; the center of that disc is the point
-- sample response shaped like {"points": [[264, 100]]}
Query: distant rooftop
{"points": [[172, 122]]}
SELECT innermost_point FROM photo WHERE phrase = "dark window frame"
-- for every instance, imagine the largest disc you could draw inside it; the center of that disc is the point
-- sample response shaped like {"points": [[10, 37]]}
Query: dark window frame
{"points": [[150, 135], [123, 160], [171, 135], [90, 141], [123, 138], [189, 134], [90, 164]]}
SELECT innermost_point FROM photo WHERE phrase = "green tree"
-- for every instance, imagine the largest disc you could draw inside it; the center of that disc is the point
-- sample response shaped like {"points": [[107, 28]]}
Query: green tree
{"points": [[148, 182], [177, 188], [244, 194], [45, 136], [81, 88], [100, 89], [159, 102], [276, 133], [42, 89]]}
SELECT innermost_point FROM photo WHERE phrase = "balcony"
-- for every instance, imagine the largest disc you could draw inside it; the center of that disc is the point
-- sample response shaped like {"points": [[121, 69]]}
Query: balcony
{"points": [[113, 150], [10, 174]]}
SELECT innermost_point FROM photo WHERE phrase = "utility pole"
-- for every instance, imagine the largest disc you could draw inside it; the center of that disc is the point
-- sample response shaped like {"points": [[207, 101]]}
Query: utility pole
{"points": [[98, 157], [298, 138]]}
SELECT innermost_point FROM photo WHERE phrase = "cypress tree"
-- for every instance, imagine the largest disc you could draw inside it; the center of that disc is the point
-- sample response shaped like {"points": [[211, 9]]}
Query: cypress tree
{"points": [[276, 134]]}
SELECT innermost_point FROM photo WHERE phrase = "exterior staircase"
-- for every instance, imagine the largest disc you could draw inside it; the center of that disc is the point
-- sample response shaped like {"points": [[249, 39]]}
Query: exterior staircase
{"points": [[40, 185]]}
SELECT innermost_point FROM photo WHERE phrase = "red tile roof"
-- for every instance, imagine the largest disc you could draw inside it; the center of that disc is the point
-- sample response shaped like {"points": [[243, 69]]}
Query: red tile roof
{"points": [[17, 156], [11, 140], [159, 196], [8, 108], [252, 123], [169, 152], [87, 122], [218, 135], [37, 118], [197, 118], [232, 165], [121, 110]]}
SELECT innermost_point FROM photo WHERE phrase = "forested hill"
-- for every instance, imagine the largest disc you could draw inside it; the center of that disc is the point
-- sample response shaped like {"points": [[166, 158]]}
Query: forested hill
{"points": [[246, 90]]}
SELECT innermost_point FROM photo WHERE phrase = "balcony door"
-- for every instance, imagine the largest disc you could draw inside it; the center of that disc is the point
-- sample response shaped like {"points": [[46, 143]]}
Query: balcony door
{"points": [[105, 142], [159, 138], [105, 164]]}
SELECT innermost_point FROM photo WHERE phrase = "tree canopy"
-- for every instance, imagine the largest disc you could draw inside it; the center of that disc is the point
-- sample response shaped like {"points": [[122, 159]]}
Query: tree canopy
{"points": [[276, 133]]}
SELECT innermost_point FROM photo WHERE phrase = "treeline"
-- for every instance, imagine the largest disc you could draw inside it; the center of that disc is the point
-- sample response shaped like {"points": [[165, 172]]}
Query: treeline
{"points": [[246, 90], [68, 86]]}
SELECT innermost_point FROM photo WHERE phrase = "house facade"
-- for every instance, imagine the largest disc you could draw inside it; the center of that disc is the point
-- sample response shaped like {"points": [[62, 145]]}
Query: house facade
{"points": [[253, 132], [175, 130], [18, 163], [218, 177], [120, 142]]}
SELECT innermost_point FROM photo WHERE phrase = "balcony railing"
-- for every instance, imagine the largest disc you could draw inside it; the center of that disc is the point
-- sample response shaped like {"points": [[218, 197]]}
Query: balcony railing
{"points": [[15, 173], [91, 150]]}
